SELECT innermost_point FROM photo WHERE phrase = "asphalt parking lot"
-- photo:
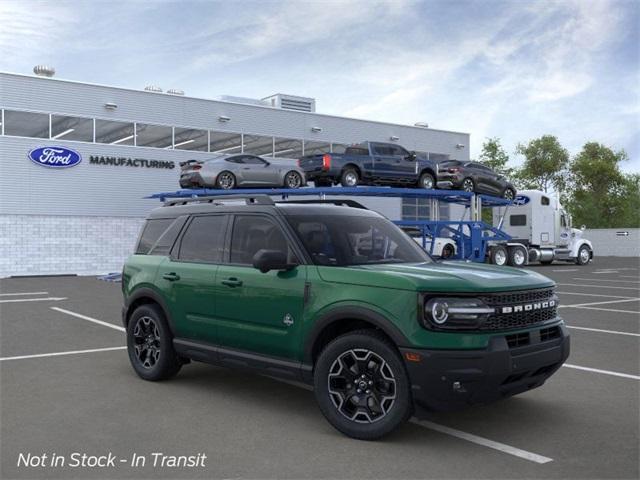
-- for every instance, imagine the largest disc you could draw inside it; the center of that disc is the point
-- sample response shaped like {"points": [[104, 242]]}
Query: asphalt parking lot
{"points": [[584, 423]]}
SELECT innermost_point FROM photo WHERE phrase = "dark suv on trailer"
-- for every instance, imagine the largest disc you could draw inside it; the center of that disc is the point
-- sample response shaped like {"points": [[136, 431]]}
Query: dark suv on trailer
{"points": [[338, 297]]}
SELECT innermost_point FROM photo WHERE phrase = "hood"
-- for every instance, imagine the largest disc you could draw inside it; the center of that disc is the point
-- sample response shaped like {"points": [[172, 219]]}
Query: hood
{"points": [[449, 277]]}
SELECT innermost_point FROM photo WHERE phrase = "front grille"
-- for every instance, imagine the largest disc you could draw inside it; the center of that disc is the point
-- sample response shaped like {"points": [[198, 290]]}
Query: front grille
{"points": [[518, 340], [507, 321], [550, 333]]}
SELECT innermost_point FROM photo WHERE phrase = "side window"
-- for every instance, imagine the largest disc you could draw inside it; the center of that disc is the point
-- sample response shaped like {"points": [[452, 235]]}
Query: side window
{"points": [[252, 233], [168, 238], [151, 232], [251, 160], [563, 220], [518, 220], [204, 239], [238, 159], [379, 149], [399, 151], [544, 201]]}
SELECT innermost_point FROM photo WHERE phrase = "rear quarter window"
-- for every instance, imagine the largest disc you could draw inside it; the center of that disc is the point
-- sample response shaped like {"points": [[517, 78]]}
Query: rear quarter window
{"points": [[151, 232]]}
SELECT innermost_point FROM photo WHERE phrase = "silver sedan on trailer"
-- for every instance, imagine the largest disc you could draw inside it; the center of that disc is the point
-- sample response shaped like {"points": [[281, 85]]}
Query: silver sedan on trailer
{"points": [[241, 170]]}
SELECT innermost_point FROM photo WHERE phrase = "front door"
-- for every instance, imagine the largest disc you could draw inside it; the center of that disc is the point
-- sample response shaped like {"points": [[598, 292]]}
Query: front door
{"points": [[188, 277], [257, 171], [259, 312]]}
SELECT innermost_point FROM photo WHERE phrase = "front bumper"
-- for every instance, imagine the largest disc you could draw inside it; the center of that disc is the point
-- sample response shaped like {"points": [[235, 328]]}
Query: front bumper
{"points": [[454, 379]]}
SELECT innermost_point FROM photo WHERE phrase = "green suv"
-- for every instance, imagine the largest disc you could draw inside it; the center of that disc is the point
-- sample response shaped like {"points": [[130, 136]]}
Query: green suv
{"points": [[337, 296]]}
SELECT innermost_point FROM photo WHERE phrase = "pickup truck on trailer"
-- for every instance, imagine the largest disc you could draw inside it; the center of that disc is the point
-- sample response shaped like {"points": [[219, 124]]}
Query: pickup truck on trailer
{"points": [[371, 163]]}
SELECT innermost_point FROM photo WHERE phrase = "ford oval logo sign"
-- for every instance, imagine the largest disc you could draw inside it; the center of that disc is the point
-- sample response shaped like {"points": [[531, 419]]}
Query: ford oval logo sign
{"points": [[521, 200], [55, 157]]}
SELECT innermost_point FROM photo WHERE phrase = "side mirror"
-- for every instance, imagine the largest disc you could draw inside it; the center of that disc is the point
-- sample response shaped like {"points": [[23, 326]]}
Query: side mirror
{"points": [[412, 156], [266, 260], [583, 228]]}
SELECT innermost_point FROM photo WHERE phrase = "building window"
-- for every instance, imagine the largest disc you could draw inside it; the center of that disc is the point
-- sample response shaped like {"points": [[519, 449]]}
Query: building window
{"points": [[258, 145], [26, 124], [287, 148], [157, 136], [71, 128], [114, 133], [225, 142], [315, 148], [190, 139]]}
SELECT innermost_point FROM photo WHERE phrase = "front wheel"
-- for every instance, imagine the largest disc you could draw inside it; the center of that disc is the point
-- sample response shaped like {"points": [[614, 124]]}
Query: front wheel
{"points": [[584, 255], [150, 346], [447, 251], [293, 179], [361, 385], [427, 181]]}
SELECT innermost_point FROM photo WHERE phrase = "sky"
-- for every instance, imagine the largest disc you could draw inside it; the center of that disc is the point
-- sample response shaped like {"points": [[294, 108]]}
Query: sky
{"points": [[514, 70]]}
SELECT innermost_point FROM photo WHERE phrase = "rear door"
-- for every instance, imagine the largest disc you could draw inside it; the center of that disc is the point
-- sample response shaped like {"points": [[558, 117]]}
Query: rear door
{"points": [[259, 312], [188, 277], [383, 160]]}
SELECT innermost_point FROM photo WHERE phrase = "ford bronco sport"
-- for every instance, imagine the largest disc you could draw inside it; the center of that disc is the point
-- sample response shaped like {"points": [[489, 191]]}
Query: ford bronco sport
{"points": [[340, 298]]}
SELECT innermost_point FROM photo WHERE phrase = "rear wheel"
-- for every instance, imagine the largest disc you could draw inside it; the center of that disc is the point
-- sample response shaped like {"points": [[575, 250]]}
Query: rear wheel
{"points": [[226, 180], [447, 251], [509, 194], [499, 255], [517, 256], [150, 345], [468, 185], [349, 178], [361, 385], [584, 255], [293, 179], [427, 181]]}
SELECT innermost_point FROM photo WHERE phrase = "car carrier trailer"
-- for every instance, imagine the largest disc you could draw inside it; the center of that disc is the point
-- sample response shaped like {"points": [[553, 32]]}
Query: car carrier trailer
{"points": [[469, 238]]}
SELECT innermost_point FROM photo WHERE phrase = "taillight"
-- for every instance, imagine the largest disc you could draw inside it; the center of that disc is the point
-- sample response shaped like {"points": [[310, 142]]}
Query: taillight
{"points": [[454, 170], [326, 161], [299, 162]]}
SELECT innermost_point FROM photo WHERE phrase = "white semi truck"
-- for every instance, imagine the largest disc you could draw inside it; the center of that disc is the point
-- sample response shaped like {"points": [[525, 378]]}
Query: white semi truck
{"points": [[541, 231]]}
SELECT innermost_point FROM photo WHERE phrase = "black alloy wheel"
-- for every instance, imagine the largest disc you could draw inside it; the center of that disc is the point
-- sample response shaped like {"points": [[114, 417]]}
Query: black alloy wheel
{"points": [[361, 385], [509, 194]]}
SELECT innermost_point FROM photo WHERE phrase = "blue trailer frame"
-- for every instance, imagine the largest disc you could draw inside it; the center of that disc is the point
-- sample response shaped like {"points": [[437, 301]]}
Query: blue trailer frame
{"points": [[472, 237]]}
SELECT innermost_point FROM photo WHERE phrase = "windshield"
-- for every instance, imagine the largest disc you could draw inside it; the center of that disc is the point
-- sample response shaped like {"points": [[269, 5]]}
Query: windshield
{"points": [[339, 240]]}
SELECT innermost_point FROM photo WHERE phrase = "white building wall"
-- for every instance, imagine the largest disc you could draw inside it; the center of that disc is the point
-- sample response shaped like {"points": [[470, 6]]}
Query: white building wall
{"points": [[612, 242]]}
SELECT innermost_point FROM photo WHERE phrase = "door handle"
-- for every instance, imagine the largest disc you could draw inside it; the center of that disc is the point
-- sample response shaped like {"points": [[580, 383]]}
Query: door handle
{"points": [[232, 282], [172, 277]]}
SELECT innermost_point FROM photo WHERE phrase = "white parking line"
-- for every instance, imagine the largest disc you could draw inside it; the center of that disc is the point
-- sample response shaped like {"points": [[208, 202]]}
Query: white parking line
{"points": [[613, 287], [604, 272], [599, 303], [591, 295], [628, 276], [606, 372], [610, 310], [57, 354], [485, 442], [45, 299], [88, 319], [605, 280], [605, 331], [23, 293], [567, 270]]}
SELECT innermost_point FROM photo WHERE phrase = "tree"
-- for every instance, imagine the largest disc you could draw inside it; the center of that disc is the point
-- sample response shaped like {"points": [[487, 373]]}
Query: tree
{"points": [[495, 157], [545, 164], [600, 195]]}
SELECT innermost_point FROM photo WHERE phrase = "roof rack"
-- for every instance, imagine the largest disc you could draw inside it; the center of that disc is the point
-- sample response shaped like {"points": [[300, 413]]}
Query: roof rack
{"points": [[219, 200]]}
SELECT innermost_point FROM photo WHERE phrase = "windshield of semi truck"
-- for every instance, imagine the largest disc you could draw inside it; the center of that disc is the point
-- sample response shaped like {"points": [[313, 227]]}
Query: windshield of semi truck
{"points": [[339, 240]]}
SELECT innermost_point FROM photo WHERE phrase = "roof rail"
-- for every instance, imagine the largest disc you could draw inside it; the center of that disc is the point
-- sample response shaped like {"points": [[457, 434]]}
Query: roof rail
{"points": [[219, 200], [339, 202]]}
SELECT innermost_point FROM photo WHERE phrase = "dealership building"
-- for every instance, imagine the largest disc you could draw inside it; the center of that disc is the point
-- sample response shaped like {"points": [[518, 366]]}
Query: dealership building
{"points": [[127, 144]]}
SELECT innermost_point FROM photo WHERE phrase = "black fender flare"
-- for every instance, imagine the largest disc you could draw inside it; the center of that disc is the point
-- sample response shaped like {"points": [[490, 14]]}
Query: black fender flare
{"points": [[145, 292], [351, 313]]}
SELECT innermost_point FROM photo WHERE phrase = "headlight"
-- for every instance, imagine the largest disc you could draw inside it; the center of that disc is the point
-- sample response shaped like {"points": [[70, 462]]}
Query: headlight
{"points": [[455, 313]]}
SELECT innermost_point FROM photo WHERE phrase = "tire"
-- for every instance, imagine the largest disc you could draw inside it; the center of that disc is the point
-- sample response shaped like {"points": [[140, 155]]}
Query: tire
{"points": [[226, 180], [349, 177], [499, 255], [468, 185], [508, 194], [387, 405], [427, 181], [447, 251], [292, 180], [150, 345], [517, 257], [584, 255]]}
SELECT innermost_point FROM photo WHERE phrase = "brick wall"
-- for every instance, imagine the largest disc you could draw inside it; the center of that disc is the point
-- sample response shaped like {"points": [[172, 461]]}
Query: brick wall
{"points": [[43, 245]]}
